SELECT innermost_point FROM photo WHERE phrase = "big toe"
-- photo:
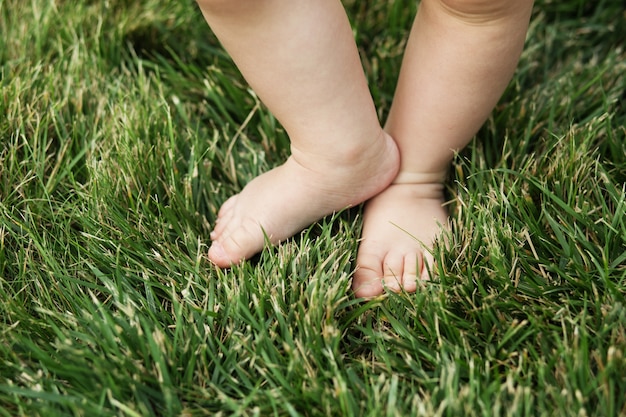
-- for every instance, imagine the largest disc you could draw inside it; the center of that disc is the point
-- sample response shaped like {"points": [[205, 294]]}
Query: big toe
{"points": [[367, 283], [218, 255], [236, 243]]}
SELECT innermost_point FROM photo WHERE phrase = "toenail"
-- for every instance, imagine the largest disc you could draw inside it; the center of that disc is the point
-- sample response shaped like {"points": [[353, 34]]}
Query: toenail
{"points": [[218, 250]]}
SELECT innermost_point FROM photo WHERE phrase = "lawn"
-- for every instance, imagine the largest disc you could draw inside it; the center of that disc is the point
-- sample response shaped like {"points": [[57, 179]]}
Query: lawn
{"points": [[124, 126]]}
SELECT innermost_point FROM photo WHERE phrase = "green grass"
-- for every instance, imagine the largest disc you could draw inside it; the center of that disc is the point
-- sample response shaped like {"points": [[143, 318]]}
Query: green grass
{"points": [[123, 128]]}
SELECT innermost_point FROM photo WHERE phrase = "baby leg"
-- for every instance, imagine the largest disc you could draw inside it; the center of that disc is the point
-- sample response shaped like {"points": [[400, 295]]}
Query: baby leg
{"points": [[301, 60], [460, 56]]}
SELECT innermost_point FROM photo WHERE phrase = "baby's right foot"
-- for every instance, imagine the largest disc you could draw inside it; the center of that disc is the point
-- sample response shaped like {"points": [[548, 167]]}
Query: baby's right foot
{"points": [[285, 200]]}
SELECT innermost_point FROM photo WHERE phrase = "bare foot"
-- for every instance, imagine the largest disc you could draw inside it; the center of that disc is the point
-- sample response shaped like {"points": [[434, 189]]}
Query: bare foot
{"points": [[285, 200], [399, 225]]}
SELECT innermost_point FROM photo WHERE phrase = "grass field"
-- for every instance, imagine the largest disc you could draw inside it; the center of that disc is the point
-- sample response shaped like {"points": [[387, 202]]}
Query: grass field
{"points": [[124, 126]]}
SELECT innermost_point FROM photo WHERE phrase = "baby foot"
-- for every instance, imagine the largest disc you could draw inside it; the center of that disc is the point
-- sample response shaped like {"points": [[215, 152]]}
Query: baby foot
{"points": [[280, 203], [399, 225]]}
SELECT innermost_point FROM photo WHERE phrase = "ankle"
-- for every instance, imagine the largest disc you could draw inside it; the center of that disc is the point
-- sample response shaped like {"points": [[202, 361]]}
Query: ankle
{"points": [[378, 145], [378, 153]]}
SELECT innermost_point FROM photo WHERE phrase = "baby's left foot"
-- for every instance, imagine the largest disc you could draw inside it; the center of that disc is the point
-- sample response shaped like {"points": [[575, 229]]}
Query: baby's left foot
{"points": [[399, 227]]}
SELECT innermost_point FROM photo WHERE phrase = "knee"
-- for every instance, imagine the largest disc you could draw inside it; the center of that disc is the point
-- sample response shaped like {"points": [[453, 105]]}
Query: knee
{"points": [[484, 11]]}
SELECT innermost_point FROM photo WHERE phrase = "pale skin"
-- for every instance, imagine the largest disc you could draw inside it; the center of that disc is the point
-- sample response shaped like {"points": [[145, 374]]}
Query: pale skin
{"points": [[301, 59]]}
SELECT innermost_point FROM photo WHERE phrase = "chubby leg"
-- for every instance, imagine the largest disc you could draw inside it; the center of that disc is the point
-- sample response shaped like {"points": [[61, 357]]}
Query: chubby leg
{"points": [[460, 56], [300, 58]]}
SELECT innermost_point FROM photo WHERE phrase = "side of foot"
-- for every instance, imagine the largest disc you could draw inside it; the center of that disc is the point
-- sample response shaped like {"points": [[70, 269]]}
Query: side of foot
{"points": [[280, 203], [399, 226]]}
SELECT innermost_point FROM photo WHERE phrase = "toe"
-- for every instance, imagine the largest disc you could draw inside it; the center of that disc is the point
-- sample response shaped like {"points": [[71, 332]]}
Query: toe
{"points": [[427, 267], [367, 280], [397, 271], [367, 284], [226, 252], [238, 241], [221, 224], [227, 206], [393, 271], [410, 275], [224, 217], [218, 255]]}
